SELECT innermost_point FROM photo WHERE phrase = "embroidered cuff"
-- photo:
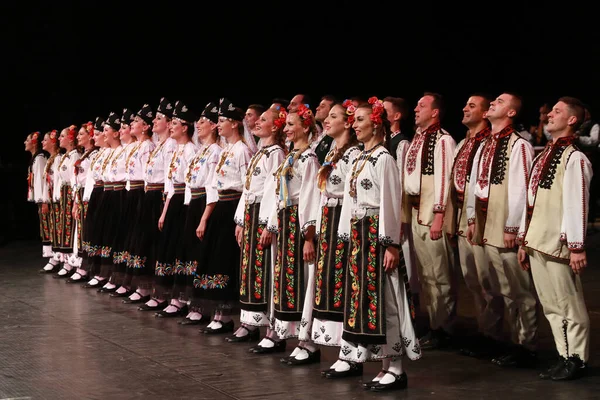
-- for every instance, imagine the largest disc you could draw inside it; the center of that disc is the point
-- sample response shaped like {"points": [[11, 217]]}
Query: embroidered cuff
{"points": [[385, 240], [511, 229], [439, 208], [520, 238], [576, 246], [471, 221], [344, 237], [273, 229], [307, 225], [238, 222]]}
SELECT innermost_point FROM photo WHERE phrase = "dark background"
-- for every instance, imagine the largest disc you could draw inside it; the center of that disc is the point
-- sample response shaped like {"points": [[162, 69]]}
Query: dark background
{"points": [[68, 62]]}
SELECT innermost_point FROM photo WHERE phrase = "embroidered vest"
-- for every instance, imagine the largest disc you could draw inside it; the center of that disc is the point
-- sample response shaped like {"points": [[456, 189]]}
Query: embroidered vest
{"points": [[542, 233], [489, 226], [426, 197]]}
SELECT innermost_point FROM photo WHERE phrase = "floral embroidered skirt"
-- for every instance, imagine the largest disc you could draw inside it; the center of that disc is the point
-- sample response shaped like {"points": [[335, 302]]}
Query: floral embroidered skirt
{"points": [[45, 233], [91, 228], [378, 317], [255, 271], [64, 226], [170, 246], [216, 280], [144, 246], [192, 252], [114, 203], [329, 298]]}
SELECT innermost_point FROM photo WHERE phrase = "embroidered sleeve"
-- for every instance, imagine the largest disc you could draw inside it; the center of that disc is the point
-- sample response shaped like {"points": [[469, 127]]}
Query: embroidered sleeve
{"points": [[269, 198], [389, 204], [144, 152], [212, 195], [308, 204], [471, 192], [576, 190], [401, 151], [38, 178], [168, 149], [444, 150], [518, 176], [72, 177]]}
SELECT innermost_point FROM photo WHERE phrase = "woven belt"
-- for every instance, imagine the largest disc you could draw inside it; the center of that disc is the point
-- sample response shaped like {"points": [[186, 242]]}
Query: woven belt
{"points": [[154, 186], [229, 195], [99, 184], [109, 186], [119, 185], [179, 188], [136, 185], [198, 192]]}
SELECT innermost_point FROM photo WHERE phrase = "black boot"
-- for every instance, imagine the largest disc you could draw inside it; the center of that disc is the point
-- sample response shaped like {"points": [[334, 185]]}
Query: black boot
{"points": [[573, 368]]}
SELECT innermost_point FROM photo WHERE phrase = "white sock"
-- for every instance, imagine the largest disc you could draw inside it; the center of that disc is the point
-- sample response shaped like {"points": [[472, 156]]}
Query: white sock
{"points": [[177, 303], [63, 272], [266, 343], [152, 303], [342, 366], [335, 364], [81, 272], [67, 266], [53, 261], [217, 325], [121, 290], [296, 351], [194, 316], [309, 346], [49, 266], [396, 368], [93, 281], [109, 286], [171, 309], [135, 296], [212, 324], [76, 277]]}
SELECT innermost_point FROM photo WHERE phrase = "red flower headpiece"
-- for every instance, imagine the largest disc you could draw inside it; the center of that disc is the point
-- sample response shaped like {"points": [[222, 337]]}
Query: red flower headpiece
{"points": [[350, 110], [377, 106], [34, 137], [72, 132], [53, 135], [280, 120], [89, 128], [305, 114]]}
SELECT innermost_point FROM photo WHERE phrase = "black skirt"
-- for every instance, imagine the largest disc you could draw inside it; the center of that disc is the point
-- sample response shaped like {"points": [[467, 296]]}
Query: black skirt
{"points": [[170, 246], [134, 200], [145, 240], [112, 211], [193, 253], [330, 269], [255, 264], [217, 279], [91, 229]]}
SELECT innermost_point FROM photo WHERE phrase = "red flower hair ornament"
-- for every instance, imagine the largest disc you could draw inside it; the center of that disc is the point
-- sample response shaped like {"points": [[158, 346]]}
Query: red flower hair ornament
{"points": [[350, 110], [377, 106], [35, 137], [305, 114], [281, 117]]}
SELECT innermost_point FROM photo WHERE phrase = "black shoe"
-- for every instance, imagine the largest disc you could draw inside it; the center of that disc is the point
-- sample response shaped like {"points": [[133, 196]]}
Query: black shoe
{"points": [[356, 369], [553, 369], [313, 357], [142, 299], [225, 328], [80, 280], [251, 336], [435, 339], [99, 284], [107, 290], [158, 306], [124, 294], [573, 368], [180, 312], [401, 382], [370, 384], [55, 268], [279, 347], [519, 357], [67, 275], [203, 320]]}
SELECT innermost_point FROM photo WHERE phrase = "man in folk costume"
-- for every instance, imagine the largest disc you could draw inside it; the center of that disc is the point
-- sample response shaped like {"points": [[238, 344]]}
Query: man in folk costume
{"points": [[474, 264], [427, 169], [554, 248], [495, 203]]}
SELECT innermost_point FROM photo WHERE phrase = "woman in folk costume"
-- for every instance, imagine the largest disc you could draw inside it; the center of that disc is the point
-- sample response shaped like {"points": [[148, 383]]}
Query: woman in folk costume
{"points": [[121, 211], [169, 269], [157, 184], [35, 187], [252, 214], [107, 217], [217, 277], [332, 251], [49, 207], [378, 316], [135, 164], [94, 194], [295, 220], [65, 225], [85, 139], [201, 198]]}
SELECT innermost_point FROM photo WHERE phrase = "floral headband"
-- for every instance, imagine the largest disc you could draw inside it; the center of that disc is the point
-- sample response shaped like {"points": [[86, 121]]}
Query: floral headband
{"points": [[89, 128], [350, 110], [72, 132], [305, 114], [377, 106], [281, 117], [53, 135], [34, 137]]}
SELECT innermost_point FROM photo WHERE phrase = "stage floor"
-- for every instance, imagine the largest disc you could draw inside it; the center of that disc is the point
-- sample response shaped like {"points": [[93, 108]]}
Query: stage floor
{"points": [[60, 341]]}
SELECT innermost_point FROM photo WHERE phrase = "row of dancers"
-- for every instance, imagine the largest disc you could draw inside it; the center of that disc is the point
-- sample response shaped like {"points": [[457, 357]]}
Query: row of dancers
{"points": [[199, 216]]}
